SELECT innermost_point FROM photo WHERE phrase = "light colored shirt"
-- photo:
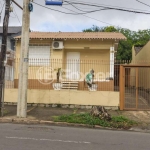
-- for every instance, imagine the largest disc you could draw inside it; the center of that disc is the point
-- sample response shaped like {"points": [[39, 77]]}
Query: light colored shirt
{"points": [[89, 78]]}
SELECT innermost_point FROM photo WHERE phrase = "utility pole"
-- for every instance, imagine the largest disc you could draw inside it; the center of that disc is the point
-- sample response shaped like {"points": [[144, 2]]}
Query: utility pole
{"points": [[23, 72], [24, 56], [3, 51]]}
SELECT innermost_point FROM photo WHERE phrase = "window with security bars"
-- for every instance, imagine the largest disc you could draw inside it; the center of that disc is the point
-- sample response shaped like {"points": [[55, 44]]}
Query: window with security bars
{"points": [[39, 55], [9, 73]]}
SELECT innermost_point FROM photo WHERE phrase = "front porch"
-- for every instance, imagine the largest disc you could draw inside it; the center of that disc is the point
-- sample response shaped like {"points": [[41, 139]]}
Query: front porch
{"points": [[42, 74]]}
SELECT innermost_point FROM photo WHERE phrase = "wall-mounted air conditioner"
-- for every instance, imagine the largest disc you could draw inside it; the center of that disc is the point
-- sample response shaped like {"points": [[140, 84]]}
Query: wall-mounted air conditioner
{"points": [[57, 45]]}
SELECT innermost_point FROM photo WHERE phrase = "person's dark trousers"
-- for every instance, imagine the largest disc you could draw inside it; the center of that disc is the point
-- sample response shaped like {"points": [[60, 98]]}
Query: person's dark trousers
{"points": [[90, 85]]}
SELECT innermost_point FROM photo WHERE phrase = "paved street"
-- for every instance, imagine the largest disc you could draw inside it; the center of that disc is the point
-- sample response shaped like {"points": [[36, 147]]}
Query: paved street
{"points": [[34, 137]]}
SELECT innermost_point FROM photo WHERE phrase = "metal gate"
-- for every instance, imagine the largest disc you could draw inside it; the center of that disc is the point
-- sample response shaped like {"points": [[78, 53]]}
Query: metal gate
{"points": [[134, 87]]}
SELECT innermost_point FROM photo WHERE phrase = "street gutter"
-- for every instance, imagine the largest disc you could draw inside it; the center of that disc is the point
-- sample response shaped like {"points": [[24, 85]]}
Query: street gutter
{"points": [[64, 124]]}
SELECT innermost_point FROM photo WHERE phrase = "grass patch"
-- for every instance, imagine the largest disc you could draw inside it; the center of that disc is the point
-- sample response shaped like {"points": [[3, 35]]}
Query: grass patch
{"points": [[119, 122]]}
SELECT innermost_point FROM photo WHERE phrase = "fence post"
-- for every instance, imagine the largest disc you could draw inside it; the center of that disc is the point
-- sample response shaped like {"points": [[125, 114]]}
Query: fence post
{"points": [[137, 69], [121, 86]]}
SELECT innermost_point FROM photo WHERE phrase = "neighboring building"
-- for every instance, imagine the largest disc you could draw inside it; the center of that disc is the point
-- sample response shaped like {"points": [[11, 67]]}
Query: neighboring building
{"points": [[10, 53], [12, 32], [77, 52], [141, 53], [141, 56]]}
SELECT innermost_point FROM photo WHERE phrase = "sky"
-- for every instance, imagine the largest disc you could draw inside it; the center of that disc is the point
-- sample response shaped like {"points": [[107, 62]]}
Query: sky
{"points": [[42, 19]]}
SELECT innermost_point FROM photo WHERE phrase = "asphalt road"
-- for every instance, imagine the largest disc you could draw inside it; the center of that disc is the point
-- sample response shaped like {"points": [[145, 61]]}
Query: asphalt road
{"points": [[35, 137]]}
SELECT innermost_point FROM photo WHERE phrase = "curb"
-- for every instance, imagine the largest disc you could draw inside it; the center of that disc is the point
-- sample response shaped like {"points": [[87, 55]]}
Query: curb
{"points": [[42, 122], [65, 124], [27, 121]]}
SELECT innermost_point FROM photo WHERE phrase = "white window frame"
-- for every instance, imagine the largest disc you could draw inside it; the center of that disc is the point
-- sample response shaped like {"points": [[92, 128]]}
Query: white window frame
{"points": [[39, 58], [112, 62], [9, 73]]}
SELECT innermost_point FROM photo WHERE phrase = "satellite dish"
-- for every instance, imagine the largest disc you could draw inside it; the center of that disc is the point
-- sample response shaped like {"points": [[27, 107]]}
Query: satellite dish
{"points": [[54, 2]]}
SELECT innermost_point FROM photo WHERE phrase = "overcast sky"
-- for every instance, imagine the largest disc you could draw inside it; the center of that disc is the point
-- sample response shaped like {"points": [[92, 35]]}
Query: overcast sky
{"points": [[47, 20]]}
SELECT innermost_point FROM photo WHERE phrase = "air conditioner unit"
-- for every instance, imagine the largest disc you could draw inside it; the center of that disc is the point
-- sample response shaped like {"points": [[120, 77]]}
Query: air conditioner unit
{"points": [[57, 45]]}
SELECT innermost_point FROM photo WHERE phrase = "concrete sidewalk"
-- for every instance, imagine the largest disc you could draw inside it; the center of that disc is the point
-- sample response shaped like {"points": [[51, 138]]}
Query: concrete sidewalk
{"points": [[45, 115]]}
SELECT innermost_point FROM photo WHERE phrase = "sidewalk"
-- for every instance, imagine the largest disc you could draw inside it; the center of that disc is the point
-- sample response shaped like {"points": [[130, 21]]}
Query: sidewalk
{"points": [[43, 115]]}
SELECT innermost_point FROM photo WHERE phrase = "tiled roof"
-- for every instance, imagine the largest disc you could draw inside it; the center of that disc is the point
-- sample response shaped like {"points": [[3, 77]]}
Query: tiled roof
{"points": [[75, 35], [12, 29]]}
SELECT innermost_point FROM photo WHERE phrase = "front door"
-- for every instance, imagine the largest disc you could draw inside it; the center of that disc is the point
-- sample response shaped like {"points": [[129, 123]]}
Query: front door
{"points": [[73, 65]]}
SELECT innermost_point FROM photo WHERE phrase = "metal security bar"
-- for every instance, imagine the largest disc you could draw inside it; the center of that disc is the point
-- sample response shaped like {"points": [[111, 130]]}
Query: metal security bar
{"points": [[71, 74], [135, 87]]}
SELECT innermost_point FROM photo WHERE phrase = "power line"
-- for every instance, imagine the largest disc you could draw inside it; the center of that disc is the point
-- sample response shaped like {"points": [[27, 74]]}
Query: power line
{"points": [[83, 13], [66, 12], [120, 9], [86, 11], [102, 5], [91, 17], [2, 8], [13, 16], [75, 12], [92, 11], [16, 14], [52, 9], [143, 3]]}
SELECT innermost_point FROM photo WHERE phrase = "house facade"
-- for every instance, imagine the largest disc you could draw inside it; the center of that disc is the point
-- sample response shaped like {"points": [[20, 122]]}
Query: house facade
{"points": [[76, 53], [10, 53]]}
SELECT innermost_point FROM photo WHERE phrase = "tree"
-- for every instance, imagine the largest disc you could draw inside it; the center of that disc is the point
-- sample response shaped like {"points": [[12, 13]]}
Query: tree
{"points": [[101, 29], [94, 29]]}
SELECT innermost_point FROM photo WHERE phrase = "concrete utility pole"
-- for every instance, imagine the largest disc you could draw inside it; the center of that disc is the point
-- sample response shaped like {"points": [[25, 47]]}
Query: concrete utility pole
{"points": [[23, 72], [3, 51]]}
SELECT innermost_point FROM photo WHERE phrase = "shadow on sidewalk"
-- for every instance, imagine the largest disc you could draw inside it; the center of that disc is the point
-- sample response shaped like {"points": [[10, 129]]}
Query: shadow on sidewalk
{"points": [[42, 113]]}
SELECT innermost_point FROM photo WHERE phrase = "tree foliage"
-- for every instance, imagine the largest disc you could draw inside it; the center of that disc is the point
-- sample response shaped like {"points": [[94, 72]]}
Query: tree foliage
{"points": [[138, 38]]}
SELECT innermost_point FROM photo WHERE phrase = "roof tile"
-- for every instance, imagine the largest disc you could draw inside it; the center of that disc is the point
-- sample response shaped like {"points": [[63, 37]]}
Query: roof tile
{"points": [[75, 35]]}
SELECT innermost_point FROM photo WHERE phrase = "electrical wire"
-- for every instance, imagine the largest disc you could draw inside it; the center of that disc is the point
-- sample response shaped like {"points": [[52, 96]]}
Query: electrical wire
{"points": [[86, 11], [91, 17], [95, 19], [1, 11], [86, 15], [98, 4], [16, 14], [92, 11], [2, 8], [80, 14], [65, 12], [12, 16], [120, 9], [75, 12], [52, 9], [143, 3]]}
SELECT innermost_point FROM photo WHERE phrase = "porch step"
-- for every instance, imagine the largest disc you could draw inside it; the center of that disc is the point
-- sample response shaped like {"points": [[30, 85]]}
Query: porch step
{"points": [[69, 82], [70, 85]]}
